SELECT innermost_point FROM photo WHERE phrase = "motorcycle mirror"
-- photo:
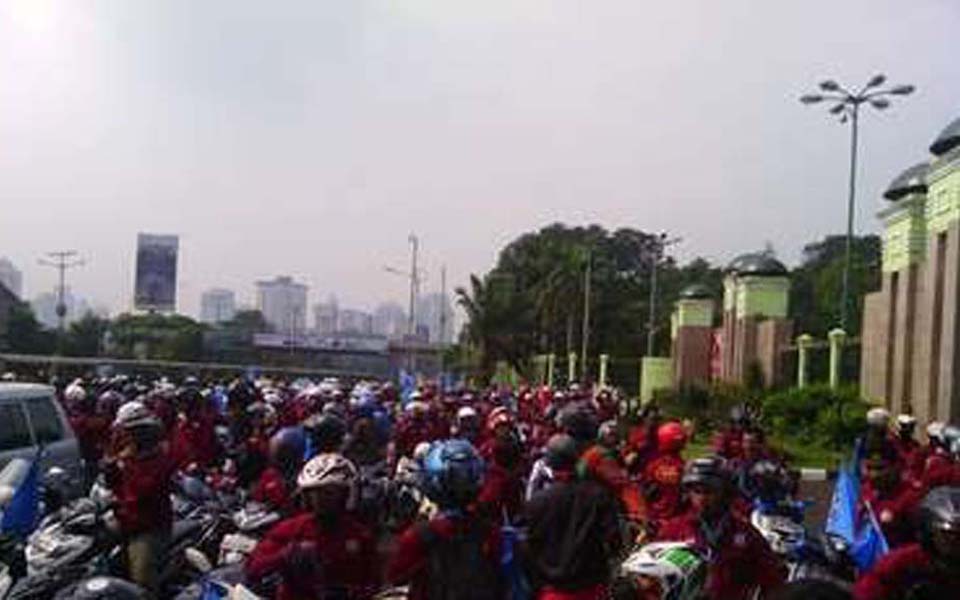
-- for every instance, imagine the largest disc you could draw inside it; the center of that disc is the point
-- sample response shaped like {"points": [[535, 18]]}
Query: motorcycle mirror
{"points": [[198, 560]]}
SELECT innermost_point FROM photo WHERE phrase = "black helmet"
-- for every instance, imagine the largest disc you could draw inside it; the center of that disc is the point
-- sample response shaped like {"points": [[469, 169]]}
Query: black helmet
{"points": [[708, 472], [579, 422], [102, 588], [327, 431], [561, 452], [940, 523]]}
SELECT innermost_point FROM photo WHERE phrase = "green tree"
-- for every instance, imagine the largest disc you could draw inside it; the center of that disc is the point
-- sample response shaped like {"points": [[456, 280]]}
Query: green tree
{"points": [[25, 334], [84, 337], [817, 284], [156, 336]]}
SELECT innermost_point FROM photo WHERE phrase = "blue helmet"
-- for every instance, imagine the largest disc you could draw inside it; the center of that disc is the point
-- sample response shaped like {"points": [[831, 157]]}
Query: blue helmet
{"points": [[453, 473]]}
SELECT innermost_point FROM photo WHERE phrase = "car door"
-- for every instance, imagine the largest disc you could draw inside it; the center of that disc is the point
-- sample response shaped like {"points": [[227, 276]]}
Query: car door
{"points": [[16, 441], [51, 431]]}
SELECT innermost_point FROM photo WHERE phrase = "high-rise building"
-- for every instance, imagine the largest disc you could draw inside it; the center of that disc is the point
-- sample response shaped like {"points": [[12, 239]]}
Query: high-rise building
{"points": [[217, 305], [11, 277], [355, 322], [283, 303], [325, 316], [435, 315], [390, 320]]}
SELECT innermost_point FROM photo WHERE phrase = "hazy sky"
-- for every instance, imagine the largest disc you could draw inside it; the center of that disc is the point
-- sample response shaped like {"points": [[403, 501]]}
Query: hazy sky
{"points": [[309, 138]]}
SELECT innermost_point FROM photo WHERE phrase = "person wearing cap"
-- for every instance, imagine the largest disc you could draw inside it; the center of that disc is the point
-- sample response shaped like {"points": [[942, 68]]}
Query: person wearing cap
{"points": [[892, 497], [909, 450], [502, 490], [324, 552], [572, 530], [929, 568], [740, 560], [940, 467], [138, 472], [662, 475]]}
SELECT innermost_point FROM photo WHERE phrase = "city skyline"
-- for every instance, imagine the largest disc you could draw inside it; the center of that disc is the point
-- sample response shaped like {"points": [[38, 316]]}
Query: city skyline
{"points": [[313, 140]]}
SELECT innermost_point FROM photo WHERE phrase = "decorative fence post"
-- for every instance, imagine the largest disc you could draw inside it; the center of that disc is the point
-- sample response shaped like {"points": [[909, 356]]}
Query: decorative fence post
{"points": [[604, 359], [571, 368], [551, 363], [803, 359], [837, 338]]}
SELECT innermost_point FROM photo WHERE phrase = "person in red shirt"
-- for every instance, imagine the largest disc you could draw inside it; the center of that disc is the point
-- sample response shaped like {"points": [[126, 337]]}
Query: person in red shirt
{"points": [[454, 554], [641, 446], [194, 437], [663, 474], [728, 443], [892, 498], [277, 482], [909, 450], [138, 472], [601, 462], [325, 552], [740, 561], [929, 569]]}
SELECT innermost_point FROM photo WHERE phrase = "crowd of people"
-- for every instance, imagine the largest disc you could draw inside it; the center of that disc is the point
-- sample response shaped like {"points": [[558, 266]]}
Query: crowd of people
{"points": [[528, 493]]}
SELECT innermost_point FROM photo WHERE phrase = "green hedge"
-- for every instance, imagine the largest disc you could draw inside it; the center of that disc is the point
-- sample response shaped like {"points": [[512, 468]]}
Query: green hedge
{"points": [[815, 425]]}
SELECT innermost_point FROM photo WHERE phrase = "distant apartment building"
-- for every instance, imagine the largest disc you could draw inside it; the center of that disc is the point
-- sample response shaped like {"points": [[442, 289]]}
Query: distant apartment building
{"points": [[11, 277], [355, 322], [283, 303], [217, 305], [390, 320], [325, 316]]}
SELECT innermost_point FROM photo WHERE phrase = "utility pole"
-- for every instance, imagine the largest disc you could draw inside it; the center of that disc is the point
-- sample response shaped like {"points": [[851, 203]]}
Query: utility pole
{"points": [[585, 334], [443, 320], [662, 243], [414, 277], [61, 260]]}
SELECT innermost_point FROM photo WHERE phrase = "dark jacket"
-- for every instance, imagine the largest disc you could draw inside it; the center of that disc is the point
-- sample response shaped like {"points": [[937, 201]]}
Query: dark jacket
{"points": [[572, 535]]}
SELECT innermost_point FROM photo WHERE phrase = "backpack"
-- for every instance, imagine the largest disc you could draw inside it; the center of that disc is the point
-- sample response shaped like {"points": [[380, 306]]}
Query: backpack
{"points": [[457, 568]]}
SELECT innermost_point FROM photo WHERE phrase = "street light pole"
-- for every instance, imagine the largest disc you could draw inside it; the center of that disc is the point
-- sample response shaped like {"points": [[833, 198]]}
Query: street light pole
{"points": [[848, 108], [61, 260], [662, 243]]}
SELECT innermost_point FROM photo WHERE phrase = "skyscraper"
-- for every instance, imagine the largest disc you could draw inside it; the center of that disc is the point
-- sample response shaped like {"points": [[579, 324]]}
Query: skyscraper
{"points": [[217, 305], [283, 303], [435, 314], [11, 277], [355, 322]]}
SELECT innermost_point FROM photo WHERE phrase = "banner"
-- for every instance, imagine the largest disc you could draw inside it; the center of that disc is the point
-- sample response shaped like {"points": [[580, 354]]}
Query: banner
{"points": [[156, 284]]}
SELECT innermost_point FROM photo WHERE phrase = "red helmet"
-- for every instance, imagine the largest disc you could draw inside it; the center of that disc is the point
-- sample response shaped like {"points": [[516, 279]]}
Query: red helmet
{"points": [[671, 437]]}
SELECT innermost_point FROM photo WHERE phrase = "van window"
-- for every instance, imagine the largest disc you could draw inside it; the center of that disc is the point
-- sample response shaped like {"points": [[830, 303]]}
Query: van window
{"points": [[13, 427], [45, 420]]}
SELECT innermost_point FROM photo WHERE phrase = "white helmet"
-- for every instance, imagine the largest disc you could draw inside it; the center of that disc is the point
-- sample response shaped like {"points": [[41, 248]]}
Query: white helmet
{"points": [[75, 393], [935, 430], [467, 412], [878, 417], [328, 469], [677, 569], [906, 422], [133, 414], [9, 376]]}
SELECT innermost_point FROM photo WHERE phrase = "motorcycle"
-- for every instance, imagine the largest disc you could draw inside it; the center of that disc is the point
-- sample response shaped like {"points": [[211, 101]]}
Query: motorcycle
{"points": [[250, 523]]}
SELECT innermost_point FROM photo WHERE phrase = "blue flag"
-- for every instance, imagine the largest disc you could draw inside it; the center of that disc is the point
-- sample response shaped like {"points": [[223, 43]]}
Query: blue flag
{"points": [[408, 385], [20, 516], [842, 518], [212, 591], [870, 544]]}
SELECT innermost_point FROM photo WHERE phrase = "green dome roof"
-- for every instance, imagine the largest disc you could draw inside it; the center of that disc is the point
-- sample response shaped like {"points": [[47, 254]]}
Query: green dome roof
{"points": [[757, 264], [948, 139], [911, 181]]}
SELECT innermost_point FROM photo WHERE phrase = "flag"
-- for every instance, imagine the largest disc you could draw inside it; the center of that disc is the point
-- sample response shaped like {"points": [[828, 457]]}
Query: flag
{"points": [[842, 518], [21, 514], [408, 385], [212, 591], [870, 544]]}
